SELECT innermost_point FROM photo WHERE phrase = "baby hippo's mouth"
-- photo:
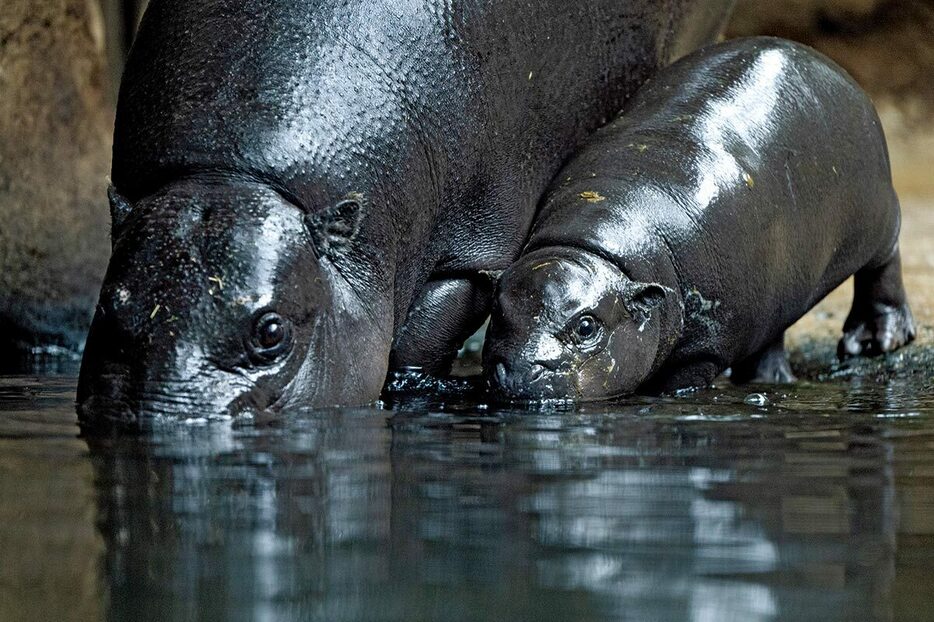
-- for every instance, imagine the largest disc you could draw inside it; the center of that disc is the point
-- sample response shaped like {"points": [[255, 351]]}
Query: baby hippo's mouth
{"points": [[529, 382]]}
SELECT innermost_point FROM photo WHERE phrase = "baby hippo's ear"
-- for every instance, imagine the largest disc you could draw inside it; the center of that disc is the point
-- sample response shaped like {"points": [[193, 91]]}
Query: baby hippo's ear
{"points": [[119, 210], [333, 229], [641, 299]]}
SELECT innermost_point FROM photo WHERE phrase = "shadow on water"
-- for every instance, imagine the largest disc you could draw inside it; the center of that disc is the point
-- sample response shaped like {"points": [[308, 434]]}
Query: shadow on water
{"points": [[816, 503]]}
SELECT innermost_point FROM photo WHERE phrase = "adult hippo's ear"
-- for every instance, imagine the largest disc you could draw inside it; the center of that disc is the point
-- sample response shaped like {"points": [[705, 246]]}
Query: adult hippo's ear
{"points": [[641, 299], [333, 229], [120, 209]]}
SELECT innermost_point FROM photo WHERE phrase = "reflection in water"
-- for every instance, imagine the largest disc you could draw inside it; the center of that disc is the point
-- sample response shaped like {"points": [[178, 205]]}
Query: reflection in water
{"points": [[50, 550], [818, 507]]}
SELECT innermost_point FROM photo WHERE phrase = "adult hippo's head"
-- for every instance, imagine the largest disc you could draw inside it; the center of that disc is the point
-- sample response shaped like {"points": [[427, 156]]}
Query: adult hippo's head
{"points": [[569, 325], [225, 298]]}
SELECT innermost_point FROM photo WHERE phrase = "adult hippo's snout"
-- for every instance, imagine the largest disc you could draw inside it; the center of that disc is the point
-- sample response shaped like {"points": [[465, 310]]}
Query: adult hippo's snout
{"points": [[110, 402], [217, 315], [119, 388]]}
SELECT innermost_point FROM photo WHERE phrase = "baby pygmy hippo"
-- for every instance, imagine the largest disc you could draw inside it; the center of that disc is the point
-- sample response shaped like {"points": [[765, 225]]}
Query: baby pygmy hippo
{"points": [[737, 188]]}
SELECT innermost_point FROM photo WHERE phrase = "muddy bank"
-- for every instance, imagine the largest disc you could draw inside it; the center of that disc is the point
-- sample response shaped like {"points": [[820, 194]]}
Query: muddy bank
{"points": [[887, 45], [55, 124]]}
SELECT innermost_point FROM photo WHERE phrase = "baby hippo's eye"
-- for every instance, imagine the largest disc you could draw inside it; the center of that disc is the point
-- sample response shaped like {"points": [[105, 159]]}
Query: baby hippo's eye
{"points": [[270, 336], [270, 333], [587, 329]]}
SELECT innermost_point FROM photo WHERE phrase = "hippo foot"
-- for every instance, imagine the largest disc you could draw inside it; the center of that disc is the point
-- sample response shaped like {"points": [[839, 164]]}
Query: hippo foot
{"points": [[884, 329], [880, 320], [413, 381], [769, 366], [772, 371]]}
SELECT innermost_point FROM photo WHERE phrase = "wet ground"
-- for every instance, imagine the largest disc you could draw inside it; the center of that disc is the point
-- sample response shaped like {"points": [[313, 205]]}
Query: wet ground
{"points": [[812, 502]]}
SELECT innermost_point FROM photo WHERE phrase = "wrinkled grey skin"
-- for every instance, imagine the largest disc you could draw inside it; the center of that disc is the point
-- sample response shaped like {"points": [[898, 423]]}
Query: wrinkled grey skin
{"points": [[737, 188], [307, 193]]}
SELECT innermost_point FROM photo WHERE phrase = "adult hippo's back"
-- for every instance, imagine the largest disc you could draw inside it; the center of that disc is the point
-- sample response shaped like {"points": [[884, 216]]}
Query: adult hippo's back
{"points": [[306, 193]]}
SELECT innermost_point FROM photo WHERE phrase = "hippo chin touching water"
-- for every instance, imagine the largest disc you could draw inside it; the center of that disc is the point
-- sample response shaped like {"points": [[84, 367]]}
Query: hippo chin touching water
{"points": [[737, 188], [307, 193]]}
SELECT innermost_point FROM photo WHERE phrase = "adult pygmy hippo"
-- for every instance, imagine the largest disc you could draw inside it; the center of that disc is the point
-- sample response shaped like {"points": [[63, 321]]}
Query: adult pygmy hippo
{"points": [[302, 188], [737, 188]]}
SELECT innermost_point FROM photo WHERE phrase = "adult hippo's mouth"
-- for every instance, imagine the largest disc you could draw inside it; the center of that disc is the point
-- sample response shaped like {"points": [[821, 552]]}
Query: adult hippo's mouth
{"points": [[111, 401]]}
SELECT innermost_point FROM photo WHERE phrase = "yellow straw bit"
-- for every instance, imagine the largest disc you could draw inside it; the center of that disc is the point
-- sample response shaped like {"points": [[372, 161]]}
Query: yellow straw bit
{"points": [[155, 310], [749, 180], [218, 280], [592, 197]]}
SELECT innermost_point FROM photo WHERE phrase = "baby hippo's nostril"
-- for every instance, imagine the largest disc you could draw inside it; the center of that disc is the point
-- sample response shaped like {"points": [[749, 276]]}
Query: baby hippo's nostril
{"points": [[502, 374], [534, 373], [518, 379]]}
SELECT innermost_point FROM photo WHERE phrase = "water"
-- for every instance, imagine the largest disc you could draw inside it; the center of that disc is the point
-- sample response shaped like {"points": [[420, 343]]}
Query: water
{"points": [[814, 504]]}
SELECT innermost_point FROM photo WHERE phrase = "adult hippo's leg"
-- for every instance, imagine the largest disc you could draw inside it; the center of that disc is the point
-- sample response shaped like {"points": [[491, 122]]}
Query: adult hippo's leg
{"points": [[444, 315], [695, 371], [767, 366], [880, 320]]}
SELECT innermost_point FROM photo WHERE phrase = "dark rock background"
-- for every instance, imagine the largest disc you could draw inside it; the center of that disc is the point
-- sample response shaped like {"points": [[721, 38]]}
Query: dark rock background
{"points": [[56, 122]]}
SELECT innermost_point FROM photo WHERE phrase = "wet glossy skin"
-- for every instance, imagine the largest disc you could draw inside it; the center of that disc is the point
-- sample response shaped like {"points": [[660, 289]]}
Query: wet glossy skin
{"points": [[444, 122], [746, 181], [251, 286]]}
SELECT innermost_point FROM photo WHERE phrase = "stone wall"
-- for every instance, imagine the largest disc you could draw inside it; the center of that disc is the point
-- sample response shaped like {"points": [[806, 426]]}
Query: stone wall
{"points": [[55, 130]]}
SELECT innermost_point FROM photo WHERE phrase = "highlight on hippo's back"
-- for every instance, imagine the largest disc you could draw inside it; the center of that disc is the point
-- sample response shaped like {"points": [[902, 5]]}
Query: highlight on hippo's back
{"points": [[307, 195], [736, 189]]}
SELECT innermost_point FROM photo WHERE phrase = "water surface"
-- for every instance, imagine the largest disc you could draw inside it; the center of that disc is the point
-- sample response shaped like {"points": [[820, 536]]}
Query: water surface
{"points": [[818, 505]]}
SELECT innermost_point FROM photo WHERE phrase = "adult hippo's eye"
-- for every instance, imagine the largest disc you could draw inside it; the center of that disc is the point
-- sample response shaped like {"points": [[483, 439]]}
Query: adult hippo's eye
{"points": [[270, 336], [587, 330]]}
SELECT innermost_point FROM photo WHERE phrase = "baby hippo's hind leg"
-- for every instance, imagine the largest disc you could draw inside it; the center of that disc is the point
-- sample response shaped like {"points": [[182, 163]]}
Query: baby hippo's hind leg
{"points": [[767, 366], [880, 320]]}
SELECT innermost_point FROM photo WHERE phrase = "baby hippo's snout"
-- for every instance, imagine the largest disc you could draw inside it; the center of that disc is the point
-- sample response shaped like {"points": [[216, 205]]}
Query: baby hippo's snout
{"points": [[523, 380]]}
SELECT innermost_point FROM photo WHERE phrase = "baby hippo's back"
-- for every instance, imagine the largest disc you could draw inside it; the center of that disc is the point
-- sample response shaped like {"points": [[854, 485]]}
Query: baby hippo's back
{"points": [[751, 175]]}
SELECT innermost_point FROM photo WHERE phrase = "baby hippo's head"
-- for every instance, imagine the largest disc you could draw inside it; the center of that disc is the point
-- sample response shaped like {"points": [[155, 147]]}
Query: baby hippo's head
{"points": [[568, 324]]}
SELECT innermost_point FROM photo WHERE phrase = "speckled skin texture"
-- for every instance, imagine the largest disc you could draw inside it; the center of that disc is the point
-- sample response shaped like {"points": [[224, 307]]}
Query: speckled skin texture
{"points": [[358, 169], [736, 189]]}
